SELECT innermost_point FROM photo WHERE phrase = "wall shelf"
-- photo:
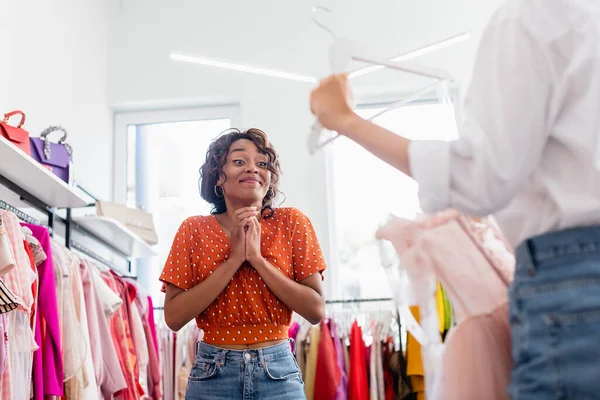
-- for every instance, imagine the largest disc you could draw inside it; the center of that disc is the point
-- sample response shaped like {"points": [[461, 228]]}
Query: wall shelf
{"points": [[22, 170], [114, 232]]}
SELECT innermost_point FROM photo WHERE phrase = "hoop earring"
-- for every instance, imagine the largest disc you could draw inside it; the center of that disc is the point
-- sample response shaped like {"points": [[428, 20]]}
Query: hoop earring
{"points": [[216, 192]]}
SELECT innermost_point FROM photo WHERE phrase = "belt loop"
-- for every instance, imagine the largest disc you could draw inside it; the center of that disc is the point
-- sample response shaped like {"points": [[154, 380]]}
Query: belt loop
{"points": [[197, 347], [261, 356], [293, 346], [529, 257], [222, 357]]}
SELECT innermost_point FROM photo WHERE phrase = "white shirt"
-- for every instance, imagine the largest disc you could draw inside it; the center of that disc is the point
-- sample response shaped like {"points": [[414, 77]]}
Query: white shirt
{"points": [[529, 148]]}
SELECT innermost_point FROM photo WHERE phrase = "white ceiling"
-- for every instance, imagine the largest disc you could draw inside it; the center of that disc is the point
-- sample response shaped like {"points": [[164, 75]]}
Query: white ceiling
{"points": [[275, 34]]}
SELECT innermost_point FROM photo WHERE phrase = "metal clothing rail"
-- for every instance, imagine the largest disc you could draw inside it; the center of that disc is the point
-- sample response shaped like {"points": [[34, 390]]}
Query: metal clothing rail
{"points": [[20, 214], [74, 245], [68, 223], [338, 301], [84, 250], [32, 200], [349, 301]]}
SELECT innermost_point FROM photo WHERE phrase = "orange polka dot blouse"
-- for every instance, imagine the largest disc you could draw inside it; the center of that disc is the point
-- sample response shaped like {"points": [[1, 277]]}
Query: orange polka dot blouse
{"points": [[246, 312]]}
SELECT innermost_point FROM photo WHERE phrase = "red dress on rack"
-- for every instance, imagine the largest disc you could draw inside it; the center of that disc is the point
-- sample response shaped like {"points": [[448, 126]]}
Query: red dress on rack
{"points": [[328, 373], [358, 387]]}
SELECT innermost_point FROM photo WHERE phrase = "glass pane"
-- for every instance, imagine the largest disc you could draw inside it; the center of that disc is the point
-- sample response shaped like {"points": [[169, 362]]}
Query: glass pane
{"points": [[131, 139], [366, 191], [163, 179]]}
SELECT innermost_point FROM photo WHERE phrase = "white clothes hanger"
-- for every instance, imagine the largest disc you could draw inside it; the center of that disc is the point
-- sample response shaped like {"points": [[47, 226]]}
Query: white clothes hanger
{"points": [[343, 51]]}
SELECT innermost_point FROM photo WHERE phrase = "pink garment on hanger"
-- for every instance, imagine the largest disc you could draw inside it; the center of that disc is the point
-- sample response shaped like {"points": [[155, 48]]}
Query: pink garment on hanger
{"points": [[3, 344], [21, 338], [154, 381], [152, 323], [154, 364], [121, 336], [109, 375], [48, 369], [474, 265], [7, 259]]}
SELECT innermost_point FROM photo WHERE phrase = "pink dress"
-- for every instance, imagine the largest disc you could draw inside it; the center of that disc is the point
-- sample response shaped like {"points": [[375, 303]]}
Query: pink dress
{"points": [[474, 264]]}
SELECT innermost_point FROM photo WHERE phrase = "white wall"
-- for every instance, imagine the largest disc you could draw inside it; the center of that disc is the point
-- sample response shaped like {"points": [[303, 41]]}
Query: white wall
{"points": [[53, 67]]}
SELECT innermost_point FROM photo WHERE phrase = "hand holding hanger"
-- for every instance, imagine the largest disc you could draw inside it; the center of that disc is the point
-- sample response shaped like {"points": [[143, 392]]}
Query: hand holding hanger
{"points": [[330, 102]]}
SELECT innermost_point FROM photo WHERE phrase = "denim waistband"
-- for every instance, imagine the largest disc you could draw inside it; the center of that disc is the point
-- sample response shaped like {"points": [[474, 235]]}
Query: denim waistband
{"points": [[208, 352], [551, 249]]}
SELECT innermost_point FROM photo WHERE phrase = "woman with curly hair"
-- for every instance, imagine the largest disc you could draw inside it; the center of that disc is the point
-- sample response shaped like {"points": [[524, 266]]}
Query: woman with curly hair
{"points": [[240, 272]]}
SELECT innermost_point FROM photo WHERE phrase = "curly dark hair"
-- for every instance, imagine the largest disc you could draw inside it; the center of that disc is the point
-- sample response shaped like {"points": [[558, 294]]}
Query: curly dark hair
{"points": [[216, 157]]}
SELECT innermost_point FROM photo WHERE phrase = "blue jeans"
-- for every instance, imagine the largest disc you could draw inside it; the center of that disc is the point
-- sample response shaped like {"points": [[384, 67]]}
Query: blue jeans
{"points": [[270, 373], [555, 317]]}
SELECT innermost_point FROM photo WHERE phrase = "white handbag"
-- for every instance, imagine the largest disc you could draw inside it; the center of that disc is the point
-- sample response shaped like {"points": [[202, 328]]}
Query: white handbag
{"points": [[139, 221]]}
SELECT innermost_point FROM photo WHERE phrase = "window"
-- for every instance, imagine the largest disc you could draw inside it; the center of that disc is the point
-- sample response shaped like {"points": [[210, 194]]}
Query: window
{"points": [[163, 162], [159, 154], [366, 190]]}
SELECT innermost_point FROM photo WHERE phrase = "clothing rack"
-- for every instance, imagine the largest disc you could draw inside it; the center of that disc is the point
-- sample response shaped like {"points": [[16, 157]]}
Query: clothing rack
{"points": [[32, 200], [338, 301], [349, 301], [20, 214], [84, 250], [68, 223]]}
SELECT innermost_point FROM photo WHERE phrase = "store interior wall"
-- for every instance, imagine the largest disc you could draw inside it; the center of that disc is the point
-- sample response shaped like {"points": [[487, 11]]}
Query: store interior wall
{"points": [[54, 67], [76, 63]]}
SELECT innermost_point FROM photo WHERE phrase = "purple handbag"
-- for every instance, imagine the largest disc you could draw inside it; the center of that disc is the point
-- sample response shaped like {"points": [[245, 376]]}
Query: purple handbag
{"points": [[56, 157]]}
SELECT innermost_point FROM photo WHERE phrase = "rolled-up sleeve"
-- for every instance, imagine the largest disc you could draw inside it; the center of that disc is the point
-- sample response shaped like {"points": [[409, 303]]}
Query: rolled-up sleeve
{"points": [[505, 126]]}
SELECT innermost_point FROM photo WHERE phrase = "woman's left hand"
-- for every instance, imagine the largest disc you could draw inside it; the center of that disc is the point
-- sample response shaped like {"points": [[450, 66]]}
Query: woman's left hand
{"points": [[253, 241]]}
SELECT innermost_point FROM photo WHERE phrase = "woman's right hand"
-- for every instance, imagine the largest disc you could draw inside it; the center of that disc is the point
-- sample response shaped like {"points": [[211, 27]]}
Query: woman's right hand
{"points": [[242, 218]]}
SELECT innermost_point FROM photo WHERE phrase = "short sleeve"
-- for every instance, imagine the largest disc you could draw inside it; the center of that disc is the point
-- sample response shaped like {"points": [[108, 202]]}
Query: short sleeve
{"points": [[178, 269], [307, 257]]}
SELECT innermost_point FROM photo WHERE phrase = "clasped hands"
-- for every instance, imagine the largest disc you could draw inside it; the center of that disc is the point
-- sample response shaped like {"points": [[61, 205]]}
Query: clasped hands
{"points": [[245, 235]]}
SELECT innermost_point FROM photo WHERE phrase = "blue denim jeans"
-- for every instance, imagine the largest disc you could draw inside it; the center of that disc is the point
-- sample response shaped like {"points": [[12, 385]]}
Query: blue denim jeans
{"points": [[270, 373], [555, 317]]}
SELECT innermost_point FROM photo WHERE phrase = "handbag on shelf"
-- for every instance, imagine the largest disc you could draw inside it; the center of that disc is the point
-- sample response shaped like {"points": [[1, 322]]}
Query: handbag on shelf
{"points": [[57, 157], [15, 134], [138, 221]]}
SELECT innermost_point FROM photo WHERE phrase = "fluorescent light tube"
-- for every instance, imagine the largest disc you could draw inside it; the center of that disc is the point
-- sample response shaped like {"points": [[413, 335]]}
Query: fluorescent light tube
{"points": [[309, 79], [415, 53], [243, 68]]}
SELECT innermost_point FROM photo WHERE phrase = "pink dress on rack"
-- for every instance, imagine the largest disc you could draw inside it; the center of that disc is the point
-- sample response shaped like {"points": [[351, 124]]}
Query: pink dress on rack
{"points": [[474, 264]]}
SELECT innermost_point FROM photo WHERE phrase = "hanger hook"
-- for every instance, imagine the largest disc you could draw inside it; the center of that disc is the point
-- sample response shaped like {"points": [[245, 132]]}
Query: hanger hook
{"points": [[320, 24]]}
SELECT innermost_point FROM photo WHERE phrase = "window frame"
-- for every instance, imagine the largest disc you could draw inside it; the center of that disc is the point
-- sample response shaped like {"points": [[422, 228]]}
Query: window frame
{"points": [[369, 102], [124, 119]]}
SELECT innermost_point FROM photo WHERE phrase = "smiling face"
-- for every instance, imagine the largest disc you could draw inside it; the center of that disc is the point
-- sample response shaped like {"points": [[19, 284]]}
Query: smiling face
{"points": [[245, 177], [241, 169]]}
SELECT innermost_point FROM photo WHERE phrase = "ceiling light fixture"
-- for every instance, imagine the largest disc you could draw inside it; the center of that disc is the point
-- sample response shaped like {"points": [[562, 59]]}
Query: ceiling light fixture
{"points": [[309, 79], [415, 53], [243, 68]]}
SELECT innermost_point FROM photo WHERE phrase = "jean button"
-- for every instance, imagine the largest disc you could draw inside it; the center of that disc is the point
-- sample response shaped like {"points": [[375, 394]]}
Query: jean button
{"points": [[247, 356]]}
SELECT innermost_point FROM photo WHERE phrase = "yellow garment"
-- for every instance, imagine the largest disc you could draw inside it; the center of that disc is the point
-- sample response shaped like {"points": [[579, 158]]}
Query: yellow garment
{"points": [[418, 384], [414, 361], [311, 362], [439, 306]]}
